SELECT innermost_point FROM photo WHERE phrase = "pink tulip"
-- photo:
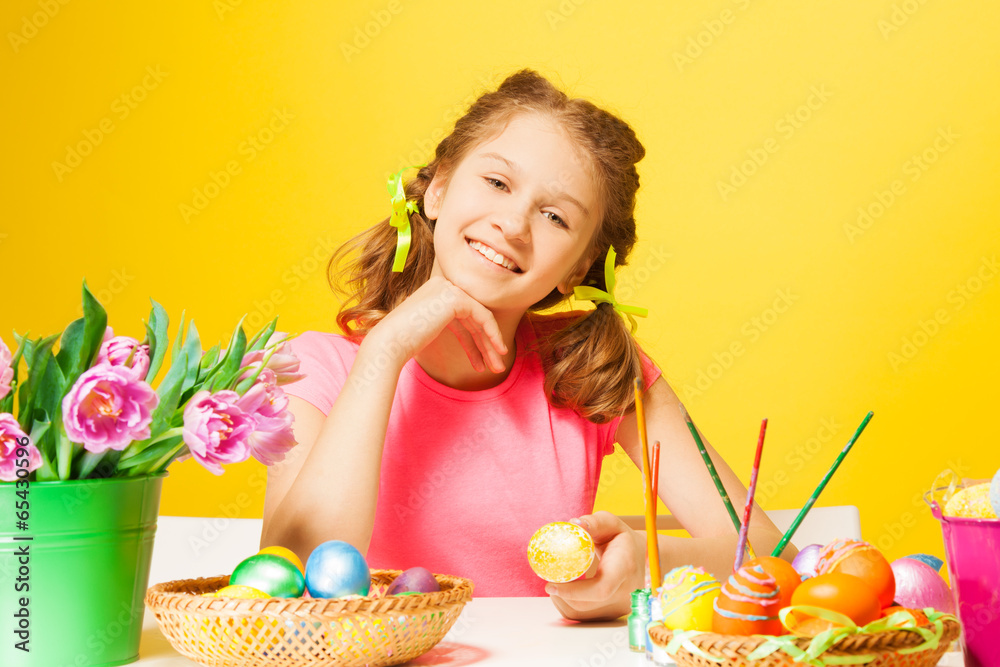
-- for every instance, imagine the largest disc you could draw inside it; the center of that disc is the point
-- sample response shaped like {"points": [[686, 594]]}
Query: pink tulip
{"points": [[125, 352], [283, 361], [273, 436], [6, 370], [216, 430], [108, 408], [10, 434]]}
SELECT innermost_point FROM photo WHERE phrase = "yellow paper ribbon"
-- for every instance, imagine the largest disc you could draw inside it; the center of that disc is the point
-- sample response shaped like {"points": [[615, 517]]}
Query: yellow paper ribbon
{"points": [[600, 296], [400, 218]]}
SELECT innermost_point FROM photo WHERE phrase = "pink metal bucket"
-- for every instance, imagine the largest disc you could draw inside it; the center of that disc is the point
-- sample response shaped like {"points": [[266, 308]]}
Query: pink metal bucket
{"points": [[972, 547]]}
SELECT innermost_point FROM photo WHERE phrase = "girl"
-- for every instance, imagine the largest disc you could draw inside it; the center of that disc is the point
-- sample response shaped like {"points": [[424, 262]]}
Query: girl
{"points": [[455, 419]]}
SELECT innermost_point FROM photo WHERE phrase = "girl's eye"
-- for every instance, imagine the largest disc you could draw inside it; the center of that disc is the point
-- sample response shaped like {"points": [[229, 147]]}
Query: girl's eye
{"points": [[556, 219], [496, 183]]}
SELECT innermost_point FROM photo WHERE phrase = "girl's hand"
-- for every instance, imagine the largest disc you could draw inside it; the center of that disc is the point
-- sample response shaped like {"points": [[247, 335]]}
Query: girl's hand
{"points": [[436, 305], [620, 570]]}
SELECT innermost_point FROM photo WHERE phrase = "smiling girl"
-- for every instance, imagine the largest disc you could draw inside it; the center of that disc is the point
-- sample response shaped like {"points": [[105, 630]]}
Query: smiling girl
{"points": [[454, 418]]}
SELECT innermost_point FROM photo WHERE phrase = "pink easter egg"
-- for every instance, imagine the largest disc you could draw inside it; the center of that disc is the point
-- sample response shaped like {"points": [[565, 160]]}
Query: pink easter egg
{"points": [[919, 586], [806, 560]]}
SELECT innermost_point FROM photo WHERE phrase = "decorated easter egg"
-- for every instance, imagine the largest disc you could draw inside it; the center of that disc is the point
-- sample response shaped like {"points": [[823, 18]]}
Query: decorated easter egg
{"points": [[748, 604], [861, 560], [933, 561], [686, 598], [560, 551], [335, 569], [285, 553], [783, 572], [843, 593], [269, 573], [805, 561], [919, 586], [995, 493], [237, 591], [414, 580], [972, 502]]}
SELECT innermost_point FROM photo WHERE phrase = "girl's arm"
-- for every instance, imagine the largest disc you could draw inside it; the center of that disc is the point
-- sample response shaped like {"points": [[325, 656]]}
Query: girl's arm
{"points": [[327, 487], [688, 491]]}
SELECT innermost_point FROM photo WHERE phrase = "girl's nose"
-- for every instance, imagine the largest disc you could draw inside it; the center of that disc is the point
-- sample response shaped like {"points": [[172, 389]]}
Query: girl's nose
{"points": [[514, 223]]}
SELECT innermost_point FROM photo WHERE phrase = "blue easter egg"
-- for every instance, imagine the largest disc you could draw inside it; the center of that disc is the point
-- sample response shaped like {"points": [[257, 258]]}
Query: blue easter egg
{"points": [[934, 562], [995, 493], [336, 569]]}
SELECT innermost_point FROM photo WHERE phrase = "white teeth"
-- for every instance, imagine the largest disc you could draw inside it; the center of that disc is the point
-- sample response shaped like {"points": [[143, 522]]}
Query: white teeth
{"points": [[492, 255]]}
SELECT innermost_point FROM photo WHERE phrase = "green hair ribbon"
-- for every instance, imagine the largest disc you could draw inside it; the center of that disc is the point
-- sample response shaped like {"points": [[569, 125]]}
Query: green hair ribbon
{"points": [[600, 296], [400, 218]]}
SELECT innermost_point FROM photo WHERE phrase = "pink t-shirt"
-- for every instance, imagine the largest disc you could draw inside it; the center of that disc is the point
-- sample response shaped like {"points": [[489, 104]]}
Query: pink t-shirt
{"points": [[468, 476]]}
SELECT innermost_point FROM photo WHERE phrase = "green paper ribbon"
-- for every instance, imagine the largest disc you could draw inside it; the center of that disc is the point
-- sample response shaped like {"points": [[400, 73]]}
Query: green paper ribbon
{"points": [[682, 639], [600, 296], [813, 654], [400, 218]]}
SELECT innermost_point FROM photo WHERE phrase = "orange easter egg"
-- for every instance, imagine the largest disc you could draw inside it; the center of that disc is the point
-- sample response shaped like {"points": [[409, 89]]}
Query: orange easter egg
{"points": [[842, 593], [783, 572], [748, 604], [918, 615], [862, 560]]}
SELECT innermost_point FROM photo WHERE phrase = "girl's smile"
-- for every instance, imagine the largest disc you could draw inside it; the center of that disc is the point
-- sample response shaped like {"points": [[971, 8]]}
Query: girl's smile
{"points": [[515, 217]]}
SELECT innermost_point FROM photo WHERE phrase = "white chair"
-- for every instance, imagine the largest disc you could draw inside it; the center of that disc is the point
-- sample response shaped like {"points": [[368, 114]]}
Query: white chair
{"points": [[821, 525], [188, 547]]}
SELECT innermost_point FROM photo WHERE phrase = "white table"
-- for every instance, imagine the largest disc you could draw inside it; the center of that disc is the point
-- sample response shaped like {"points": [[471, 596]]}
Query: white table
{"points": [[493, 632]]}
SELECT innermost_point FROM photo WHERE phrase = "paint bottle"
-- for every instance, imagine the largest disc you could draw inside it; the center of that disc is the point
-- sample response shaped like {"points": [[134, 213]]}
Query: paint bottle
{"points": [[655, 654], [637, 620]]}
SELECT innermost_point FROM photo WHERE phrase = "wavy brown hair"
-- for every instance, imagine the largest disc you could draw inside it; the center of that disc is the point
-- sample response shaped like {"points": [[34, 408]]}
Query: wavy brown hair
{"points": [[591, 363]]}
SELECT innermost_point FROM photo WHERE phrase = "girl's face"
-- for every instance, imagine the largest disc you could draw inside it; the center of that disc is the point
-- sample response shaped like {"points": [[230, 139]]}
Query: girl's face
{"points": [[515, 218]]}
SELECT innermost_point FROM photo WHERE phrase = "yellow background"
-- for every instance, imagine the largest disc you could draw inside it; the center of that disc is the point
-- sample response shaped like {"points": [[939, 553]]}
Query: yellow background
{"points": [[868, 86]]}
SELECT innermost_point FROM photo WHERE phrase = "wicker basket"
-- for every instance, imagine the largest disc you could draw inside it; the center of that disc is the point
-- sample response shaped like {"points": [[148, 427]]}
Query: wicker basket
{"points": [[372, 631], [733, 649]]}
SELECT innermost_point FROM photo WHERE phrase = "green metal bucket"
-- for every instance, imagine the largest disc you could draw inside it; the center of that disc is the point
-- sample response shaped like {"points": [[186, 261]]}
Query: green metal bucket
{"points": [[77, 595]]}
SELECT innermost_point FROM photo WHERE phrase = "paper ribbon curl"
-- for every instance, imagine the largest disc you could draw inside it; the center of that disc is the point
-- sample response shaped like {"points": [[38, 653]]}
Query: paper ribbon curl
{"points": [[600, 296], [841, 626], [400, 217]]}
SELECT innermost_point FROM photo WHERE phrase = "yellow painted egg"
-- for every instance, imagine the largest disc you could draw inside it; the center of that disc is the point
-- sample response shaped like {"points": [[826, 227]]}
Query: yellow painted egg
{"points": [[560, 551], [287, 554], [686, 598], [972, 502], [237, 591]]}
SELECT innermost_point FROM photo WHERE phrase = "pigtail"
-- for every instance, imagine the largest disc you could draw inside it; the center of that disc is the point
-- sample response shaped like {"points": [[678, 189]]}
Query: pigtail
{"points": [[360, 270], [591, 365]]}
